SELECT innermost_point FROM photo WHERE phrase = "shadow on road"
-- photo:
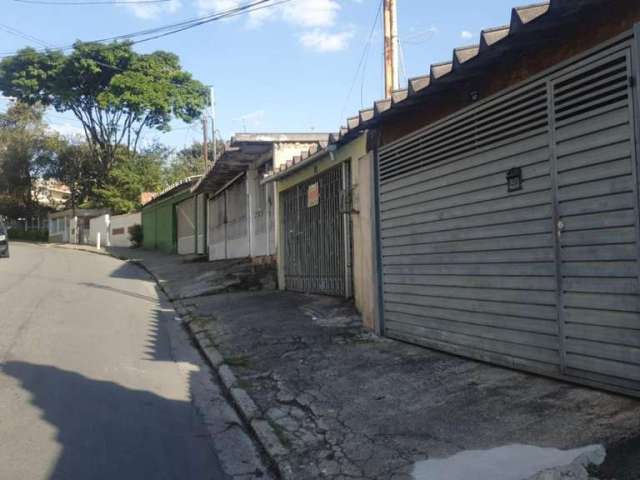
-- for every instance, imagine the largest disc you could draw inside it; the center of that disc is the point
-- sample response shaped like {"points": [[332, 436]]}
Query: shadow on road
{"points": [[108, 431]]}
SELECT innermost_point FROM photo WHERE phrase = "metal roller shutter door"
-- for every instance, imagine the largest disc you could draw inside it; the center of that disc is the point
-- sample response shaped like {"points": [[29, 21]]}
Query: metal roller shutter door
{"points": [[544, 278], [186, 225]]}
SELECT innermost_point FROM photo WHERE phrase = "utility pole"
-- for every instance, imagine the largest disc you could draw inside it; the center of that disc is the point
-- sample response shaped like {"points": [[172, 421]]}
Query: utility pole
{"points": [[205, 146], [212, 100], [391, 49]]}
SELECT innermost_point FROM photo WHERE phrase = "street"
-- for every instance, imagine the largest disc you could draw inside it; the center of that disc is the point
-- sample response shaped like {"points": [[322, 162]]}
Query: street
{"points": [[93, 383]]}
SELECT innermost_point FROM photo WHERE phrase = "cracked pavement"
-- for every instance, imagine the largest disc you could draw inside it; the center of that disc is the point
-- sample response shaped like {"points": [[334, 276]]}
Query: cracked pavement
{"points": [[349, 405]]}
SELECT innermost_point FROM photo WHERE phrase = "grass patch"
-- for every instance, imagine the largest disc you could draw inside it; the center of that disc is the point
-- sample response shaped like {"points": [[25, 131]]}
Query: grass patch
{"points": [[238, 361], [280, 433]]}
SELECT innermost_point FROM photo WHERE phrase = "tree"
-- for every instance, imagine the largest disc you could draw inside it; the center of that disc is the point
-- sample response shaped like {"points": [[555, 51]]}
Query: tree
{"points": [[189, 162], [113, 91], [130, 176], [74, 165], [25, 151]]}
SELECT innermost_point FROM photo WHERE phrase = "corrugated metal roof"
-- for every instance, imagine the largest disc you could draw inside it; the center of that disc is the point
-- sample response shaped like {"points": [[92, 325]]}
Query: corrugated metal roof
{"points": [[174, 189], [245, 149]]}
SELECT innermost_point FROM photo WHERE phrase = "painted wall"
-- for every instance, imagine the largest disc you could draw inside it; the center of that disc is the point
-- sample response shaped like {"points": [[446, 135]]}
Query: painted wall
{"points": [[99, 225], [201, 219], [119, 228], [186, 223], [217, 228], [364, 283], [285, 151], [159, 222]]}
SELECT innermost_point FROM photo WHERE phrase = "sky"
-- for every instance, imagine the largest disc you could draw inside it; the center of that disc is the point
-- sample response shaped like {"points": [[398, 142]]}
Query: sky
{"points": [[290, 68]]}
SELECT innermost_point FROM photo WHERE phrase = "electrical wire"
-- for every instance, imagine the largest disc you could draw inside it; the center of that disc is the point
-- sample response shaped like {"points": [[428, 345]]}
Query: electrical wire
{"points": [[171, 29], [24, 36], [92, 2], [362, 62]]}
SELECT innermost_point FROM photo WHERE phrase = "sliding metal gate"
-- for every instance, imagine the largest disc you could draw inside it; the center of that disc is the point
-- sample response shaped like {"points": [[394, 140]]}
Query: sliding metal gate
{"points": [[538, 271], [316, 223]]}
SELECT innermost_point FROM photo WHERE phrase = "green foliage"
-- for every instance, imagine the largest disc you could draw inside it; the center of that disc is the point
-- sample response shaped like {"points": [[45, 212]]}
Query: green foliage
{"points": [[29, 235], [25, 152], [75, 166], [130, 176], [136, 235], [189, 162], [114, 92]]}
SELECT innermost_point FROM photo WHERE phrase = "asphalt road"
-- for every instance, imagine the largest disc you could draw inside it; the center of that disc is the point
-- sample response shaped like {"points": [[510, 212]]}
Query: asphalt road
{"points": [[91, 383]]}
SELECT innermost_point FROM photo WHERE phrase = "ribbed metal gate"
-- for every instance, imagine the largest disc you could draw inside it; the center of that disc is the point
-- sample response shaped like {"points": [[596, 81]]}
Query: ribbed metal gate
{"points": [[541, 275], [186, 226], [317, 237]]}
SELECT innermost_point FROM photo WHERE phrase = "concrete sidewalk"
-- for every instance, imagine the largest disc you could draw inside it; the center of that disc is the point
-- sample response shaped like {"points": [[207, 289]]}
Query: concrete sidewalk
{"points": [[330, 400]]}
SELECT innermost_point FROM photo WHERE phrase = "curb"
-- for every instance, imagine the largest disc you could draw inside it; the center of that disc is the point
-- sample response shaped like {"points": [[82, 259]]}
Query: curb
{"points": [[255, 422]]}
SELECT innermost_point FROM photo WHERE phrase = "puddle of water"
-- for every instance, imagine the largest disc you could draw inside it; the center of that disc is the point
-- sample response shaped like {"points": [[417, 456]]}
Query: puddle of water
{"points": [[510, 462]]}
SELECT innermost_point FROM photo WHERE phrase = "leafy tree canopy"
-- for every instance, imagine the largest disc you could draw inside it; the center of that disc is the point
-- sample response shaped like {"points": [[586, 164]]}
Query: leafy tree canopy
{"points": [[114, 92], [26, 149], [130, 176]]}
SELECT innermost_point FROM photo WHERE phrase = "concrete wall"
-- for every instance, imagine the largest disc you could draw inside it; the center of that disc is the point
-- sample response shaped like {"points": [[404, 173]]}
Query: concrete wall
{"points": [[120, 226], [99, 225], [217, 236], [186, 224], [364, 275], [285, 151], [59, 230], [201, 224]]}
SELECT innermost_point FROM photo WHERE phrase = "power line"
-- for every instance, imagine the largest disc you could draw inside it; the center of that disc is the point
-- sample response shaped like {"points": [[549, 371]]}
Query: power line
{"points": [[171, 29], [92, 2], [363, 59], [18, 33]]}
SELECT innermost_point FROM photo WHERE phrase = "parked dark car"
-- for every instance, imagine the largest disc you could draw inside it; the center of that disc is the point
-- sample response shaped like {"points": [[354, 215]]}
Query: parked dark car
{"points": [[4, 241]]}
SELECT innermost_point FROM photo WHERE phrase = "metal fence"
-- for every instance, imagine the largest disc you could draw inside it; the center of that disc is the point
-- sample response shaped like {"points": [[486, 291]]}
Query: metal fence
{"points": [[317, 234]]}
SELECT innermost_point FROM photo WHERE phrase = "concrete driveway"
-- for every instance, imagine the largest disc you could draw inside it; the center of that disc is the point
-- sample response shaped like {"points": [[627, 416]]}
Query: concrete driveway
{"points": [[92, 382]]}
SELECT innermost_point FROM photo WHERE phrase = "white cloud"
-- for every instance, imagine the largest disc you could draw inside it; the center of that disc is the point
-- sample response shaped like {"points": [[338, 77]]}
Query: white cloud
{"points": [[207, 6], [152, 10], [312, 19], [321, 41], [67, 130], [311, 13], [466, 34]]}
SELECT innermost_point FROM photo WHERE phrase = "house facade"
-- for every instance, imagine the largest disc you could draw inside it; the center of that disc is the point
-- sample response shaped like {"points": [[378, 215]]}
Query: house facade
{"points": [[241, 209], [73, 225], [324, 229], [174, 221], [505, 198]]}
